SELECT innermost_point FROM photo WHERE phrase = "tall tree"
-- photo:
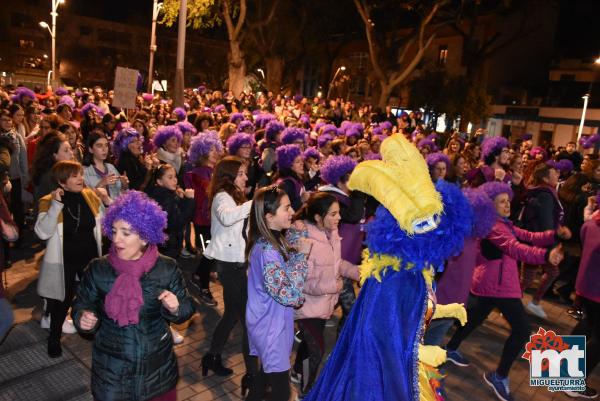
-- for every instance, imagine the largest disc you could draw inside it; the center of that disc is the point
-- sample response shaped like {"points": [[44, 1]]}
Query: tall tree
{"points": [[394, 58], [210, 13]]}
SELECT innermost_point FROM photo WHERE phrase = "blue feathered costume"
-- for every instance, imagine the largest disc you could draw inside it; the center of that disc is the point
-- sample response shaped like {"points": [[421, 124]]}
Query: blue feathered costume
{"points": [[379, 354]]}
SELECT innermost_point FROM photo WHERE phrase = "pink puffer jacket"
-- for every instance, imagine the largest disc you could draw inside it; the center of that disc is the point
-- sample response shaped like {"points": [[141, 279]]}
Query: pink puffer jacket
{"points": [[325, 266], [497, 273]]}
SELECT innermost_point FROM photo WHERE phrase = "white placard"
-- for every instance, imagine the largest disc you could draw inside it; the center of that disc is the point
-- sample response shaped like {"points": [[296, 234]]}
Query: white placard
{"points": [[125, 88]]}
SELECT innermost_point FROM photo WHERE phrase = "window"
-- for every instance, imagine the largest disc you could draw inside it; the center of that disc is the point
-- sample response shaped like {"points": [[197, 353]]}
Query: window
{"points": [[443, 55], [26, 44]]}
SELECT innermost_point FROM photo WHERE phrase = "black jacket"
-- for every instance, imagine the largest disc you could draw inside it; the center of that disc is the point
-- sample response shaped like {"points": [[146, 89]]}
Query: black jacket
{"points": [[134, 168], [134, 362]]}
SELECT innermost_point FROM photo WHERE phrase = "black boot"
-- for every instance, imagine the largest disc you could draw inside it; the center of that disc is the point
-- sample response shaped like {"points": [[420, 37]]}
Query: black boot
{"points": [[54, 348], [213, 362], [246, 383]]}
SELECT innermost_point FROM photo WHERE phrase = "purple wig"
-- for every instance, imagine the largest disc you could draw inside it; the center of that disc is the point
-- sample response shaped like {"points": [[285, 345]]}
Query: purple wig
{"points": [[61, 91], [493, 145], [220, 108], [414, 134], [123, 139], [148, 97], [143, 214], [426, 142], [286, 154], [345, 124], [262, 119], [386, 125], [312, 153], [273, 129], [437, 157], [565, 166], [304, 119], [484, 212], [88, 107], [22, 92], [180, 113], [236, 118], [293, 134], [527, 136], [186, 127], [164, 133], [329, 129], [353, 131], [376, 131], [237, 140], [68, 100], [324, 139], [335, 168], [538, 150], [201, 89], [246, 126], [319, 125], [201, 145], [495, 188]]}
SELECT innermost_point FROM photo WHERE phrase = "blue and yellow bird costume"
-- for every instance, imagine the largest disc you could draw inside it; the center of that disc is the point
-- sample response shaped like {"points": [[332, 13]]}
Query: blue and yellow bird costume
{"points": [[379, 355]]}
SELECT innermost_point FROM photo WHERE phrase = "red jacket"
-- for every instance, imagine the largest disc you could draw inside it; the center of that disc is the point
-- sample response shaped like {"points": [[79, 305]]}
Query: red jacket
{"points": [[497, 272]]}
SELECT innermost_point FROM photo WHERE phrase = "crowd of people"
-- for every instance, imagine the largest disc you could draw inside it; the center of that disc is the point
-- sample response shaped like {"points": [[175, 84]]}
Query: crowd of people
{"points": [[255, 189]]}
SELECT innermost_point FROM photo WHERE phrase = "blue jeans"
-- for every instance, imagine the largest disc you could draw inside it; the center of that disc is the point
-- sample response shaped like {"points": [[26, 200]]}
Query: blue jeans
{"points": [[436, 332], [7, 317]]}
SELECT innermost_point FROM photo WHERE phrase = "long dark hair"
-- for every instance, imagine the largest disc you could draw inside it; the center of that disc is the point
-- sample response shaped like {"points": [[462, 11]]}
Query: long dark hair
{"points": [[43, 159], [223, 179], [93, 137], [318, 204], [266, 200]]}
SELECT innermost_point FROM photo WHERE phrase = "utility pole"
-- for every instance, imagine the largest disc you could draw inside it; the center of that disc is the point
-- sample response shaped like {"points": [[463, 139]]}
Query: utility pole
{"points": [[156, 7], [179, 81]]}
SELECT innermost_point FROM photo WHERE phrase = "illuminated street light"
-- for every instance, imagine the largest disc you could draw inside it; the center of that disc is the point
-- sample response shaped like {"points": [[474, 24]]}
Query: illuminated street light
{"points": [[44, 25], [341, 68]]}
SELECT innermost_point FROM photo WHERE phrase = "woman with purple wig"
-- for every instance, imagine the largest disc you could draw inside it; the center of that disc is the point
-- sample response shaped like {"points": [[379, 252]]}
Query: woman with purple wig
{"points": [[167, 141], [496, 284], [128, 298], [127, 149], [290, 165]]}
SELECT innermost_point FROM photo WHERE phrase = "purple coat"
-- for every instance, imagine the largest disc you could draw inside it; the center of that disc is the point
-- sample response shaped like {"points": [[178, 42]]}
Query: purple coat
{"points": [[455, 283], [589, 267], [274, 290], [497, 273]]}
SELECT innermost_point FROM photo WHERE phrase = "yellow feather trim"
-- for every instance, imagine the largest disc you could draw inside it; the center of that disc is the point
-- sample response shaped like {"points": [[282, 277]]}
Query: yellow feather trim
{"points": [[375, 265]]}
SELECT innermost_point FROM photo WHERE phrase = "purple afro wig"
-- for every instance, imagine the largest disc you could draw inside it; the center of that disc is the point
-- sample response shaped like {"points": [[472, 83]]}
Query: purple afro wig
{"points": [[564, 166], [353, 131], [246, 126], [538, 150], [91, 106], [67, 100], [22, 92], [220, 108], [180, 113], [148, 97], [329, 129], [376, 131], [186, 127], [304, 120], [426, 142], [493, 145], [143, 214], [437, 157], [386, 125], [273, 129], [484, 212], [286, 154], [527, 136], [495, 188], [335, 168], [61, 91], [324, 139], [201, 145], [163, 134], [262, 119], [123, 139], [319, 125], [293, 134], [236, 141], [236, 118], [312, 153]]}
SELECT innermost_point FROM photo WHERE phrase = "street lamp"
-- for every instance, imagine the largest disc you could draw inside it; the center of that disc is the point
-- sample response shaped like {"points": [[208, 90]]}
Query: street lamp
{"points": [[155, 9], [341, 68], [44, 25], [586, 99], [261, 72]]}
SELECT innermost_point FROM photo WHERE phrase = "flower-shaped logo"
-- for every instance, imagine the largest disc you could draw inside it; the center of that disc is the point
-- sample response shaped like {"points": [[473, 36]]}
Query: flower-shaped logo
{"points": [[542, 341]]}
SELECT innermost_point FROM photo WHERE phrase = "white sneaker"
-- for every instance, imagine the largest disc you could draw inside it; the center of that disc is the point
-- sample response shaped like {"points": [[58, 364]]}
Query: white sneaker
{"points": [[68, 327], [536, 310], [177, 338], [45, 322]]}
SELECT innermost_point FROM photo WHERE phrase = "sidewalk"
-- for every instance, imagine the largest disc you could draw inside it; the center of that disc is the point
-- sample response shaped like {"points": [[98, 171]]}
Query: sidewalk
{"points": [[26, 373]]}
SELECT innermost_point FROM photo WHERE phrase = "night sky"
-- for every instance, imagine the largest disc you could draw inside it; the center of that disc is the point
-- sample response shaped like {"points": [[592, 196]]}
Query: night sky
{"points": [[577, 36]]}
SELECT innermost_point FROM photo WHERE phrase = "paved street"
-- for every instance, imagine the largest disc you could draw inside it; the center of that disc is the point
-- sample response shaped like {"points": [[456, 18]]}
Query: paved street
{"points": [[26, 373]]}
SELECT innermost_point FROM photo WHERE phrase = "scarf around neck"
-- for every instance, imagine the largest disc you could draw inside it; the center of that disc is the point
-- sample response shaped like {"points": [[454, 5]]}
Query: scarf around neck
{"points": [[174, 159], [124, 300]]}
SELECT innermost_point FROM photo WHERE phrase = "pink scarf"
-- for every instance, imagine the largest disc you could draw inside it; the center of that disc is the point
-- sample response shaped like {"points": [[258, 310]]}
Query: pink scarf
{"points": [[124, 300]]}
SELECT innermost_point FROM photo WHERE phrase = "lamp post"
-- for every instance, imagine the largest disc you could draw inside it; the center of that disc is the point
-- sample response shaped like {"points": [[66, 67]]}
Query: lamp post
{"points": [[155, 9], [586, 99], [44, 24], [261, 72], [341, 68]]}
